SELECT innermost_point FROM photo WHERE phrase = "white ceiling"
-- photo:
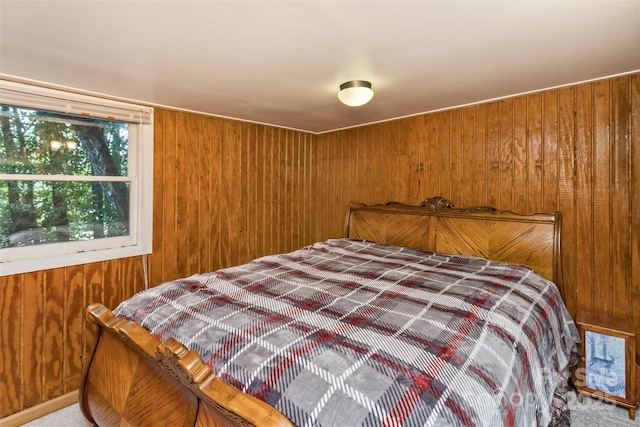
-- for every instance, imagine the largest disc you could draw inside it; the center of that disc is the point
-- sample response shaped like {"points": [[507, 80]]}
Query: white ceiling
{"points": [[281, 63]]}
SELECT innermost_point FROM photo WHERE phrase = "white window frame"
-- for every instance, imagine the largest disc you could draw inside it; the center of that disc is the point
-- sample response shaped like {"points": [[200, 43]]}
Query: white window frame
{"points": [[140, 177]]}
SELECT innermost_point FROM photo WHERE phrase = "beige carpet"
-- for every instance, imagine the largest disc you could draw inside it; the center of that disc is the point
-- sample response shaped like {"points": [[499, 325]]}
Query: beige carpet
{"points": [[71, 416], [591, 413], [596, 413]]}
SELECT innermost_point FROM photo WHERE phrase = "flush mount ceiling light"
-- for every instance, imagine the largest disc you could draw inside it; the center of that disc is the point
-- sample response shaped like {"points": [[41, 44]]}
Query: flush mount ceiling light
{"points": [[355, 93]]}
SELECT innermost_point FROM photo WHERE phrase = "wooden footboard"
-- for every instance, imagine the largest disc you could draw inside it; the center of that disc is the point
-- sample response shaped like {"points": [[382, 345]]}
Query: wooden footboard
{"points": [[133, 379]]}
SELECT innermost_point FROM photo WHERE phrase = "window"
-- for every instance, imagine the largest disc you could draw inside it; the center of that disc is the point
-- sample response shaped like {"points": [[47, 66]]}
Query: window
{"points": [[76, 178]]}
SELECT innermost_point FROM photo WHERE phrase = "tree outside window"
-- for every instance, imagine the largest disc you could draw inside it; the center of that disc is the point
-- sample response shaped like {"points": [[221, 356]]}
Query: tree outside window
{"points": [[49, 146]]}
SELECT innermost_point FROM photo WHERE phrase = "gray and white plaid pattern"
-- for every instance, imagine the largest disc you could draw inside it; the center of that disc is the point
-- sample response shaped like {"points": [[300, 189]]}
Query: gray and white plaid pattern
{"points": [[350, 333]]}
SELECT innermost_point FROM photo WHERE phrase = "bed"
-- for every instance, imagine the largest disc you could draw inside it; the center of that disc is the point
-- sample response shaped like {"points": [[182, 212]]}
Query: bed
{"points": [[419, 315]]}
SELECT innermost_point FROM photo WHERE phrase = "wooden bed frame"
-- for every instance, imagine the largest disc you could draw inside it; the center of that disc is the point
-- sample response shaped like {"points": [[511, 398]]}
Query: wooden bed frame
{"points": [[132, 379]]}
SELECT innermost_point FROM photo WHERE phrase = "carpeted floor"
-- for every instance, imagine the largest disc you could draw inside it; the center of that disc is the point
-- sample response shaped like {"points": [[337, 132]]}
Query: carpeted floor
{"points": [[591, 413], [71, 416], [596, 413]]}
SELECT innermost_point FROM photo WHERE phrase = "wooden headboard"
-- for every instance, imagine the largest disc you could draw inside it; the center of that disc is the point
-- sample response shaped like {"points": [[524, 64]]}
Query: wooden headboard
{"points": [[436, 225]]}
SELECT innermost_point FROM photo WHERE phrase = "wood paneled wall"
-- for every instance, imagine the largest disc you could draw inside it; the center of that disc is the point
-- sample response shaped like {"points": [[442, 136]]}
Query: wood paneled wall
{"points": [[227, 191], [575, 150], [43, 335]]}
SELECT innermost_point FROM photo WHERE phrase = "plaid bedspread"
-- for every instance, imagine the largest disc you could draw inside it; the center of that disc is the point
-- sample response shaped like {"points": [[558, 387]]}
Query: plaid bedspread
{"points": [[349, 333]]}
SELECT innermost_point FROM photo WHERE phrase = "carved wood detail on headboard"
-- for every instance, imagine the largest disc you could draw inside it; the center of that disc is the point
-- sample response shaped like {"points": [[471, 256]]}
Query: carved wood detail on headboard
{"points": [[483, 231], [440, 204]]}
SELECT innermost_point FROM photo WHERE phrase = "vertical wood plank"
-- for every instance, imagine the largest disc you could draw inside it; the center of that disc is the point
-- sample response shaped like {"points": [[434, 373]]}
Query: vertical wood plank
{"points": [[205, 201], [234, 196], [481, 163], [308, 148], [54, 333], [456, 161], [534, 153], [468, 159], [193, 153], [620, 187], [505, 154], [336, 177], [294, 195], [634, 268], [284, 195], [252, 188], [333, 150], [432, 155], [286, 198], [94, 294], [415, 195], [566, 195], [245, 175], [272, 189], [373, 153], [354, 166], [183, 220], [321, 186], [584, 198], [32, 338], [167, 234], [443, 144], [11, 306], [602, 198], [214, 143], [74, 326], [278, 187], [382, 164], [131, 277], [260, 154], [224, 235], [550, 152], [520, 183], [395, 185], [156, 259], [493, 155], [111, 283]]}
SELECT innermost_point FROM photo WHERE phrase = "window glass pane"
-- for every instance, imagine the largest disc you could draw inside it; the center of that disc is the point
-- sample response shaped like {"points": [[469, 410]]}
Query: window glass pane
{"points": [[35, 212], [42, 143], [76, 179]]}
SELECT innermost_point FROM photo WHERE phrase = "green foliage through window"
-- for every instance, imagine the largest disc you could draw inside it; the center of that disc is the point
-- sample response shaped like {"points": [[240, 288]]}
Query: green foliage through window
{"points": [[67, 178]]}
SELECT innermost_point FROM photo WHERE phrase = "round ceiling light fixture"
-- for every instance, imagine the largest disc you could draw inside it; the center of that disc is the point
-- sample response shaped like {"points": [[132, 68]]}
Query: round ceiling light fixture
{"points": [[355, 93]]}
